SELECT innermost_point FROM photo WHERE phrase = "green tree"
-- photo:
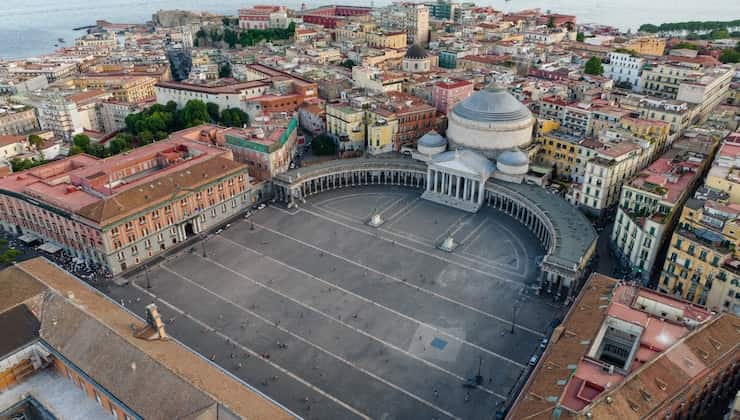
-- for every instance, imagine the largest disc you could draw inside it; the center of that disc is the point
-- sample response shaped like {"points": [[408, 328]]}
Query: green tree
{"points": [[35, 141], [730, 56], [82, 141], [233, 117], [194, 113], [348, 63], [146, 137], [324, 145], [686, 46], [212, 109], [551, 22], [594, 66], [118, 145], [580, 37]]}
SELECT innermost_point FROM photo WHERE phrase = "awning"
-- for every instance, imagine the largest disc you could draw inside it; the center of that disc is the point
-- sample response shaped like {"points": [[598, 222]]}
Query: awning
{"points": [[50, 248], [28, 238]]}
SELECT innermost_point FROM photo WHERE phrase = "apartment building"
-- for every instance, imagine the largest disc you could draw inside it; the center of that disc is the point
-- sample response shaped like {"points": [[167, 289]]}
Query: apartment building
{"points": [[702, 263], [626, 352], [60, 115], [663, 80], [651, 202], [447, 94], [17, 119], [707, 90], [646, 45], [676, 113], [347, 124], [624, 68], [121, 211], [123, 88]]}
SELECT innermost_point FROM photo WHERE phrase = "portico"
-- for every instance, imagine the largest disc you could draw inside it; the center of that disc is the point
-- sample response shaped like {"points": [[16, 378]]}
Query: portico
{"points": [[458, 179]]}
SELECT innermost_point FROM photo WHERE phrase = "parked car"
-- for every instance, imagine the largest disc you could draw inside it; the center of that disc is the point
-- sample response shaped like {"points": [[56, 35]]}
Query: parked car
{"points": [[533, 360]]}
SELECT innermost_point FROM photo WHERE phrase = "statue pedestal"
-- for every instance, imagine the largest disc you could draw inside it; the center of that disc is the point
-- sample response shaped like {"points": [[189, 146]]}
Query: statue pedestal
{"points": [[448, 245], [375, 221]]}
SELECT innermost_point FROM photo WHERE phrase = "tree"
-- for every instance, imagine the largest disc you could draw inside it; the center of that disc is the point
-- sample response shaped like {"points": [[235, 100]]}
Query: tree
{"points": [[323, 145], [730, 56], [194, 113], [35, 141], [233, 117], [348, 63], [212, 111], [580, 37], [551, 22], [594, 66], [686, 46], [82, 141], [146, 137]]}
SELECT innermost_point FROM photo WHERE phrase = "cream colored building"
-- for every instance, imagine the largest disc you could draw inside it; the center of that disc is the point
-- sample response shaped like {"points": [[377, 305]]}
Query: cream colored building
{"points": [[347, 125], [646, 45], [380, 135], [17, 119]]}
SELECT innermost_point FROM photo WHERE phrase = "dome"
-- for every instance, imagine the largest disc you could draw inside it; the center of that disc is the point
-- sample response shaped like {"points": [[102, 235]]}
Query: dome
{"points": [[513, 157], [492, 105], [432, 139], [416, 52]]}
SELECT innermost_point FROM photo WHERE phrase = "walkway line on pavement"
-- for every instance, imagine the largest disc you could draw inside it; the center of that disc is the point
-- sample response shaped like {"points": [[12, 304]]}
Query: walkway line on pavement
{"points": [[380, 305], [250, 351], [503, 270], [309, 343], [421, 289]]}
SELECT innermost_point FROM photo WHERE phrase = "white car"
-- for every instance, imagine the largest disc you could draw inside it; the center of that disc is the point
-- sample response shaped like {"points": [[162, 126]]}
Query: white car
{"points": [[533, 360], [261, 206]]}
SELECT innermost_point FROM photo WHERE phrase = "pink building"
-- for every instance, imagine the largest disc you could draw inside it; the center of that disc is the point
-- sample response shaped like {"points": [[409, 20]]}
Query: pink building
{"points": [[446, 95]]}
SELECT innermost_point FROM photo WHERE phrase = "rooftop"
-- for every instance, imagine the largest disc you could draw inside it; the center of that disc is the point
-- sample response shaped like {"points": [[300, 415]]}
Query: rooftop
{"points": [[492, 105], [95, 335], [576, 373]]}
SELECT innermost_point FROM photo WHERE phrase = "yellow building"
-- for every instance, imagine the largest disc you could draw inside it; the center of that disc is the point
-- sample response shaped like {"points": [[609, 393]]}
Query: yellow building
{"points": [[646, 45], [382, 127], [702, 264], [653, 131], [129, 89], [703, 260], [382, 39], [560, 151], [347, 125]]}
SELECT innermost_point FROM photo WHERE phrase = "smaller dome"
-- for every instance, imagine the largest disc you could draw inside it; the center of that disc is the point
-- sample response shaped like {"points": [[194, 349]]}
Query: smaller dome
{"points": [[512, 157], [432, 139], [416, 51]]}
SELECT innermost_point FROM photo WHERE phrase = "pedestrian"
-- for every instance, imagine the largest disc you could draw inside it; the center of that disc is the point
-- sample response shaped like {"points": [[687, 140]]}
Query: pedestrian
{"points": [[436, 394], [467, 396]]}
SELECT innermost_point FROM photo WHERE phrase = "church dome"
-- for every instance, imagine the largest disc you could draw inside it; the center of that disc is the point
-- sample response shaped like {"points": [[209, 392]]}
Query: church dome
{"points": [[490, 121], [512, 162], [416, 52], [432, 143], [492, 105]]}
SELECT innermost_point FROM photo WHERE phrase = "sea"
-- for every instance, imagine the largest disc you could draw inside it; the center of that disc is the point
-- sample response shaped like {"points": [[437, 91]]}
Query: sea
{"points": [[30, 28]]}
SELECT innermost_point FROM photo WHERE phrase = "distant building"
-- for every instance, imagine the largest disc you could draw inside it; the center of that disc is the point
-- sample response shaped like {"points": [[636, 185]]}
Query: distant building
{"points": [[445, 95], [624, 68], [625, 352], [646, 45], [264, 17], [17, 119]]}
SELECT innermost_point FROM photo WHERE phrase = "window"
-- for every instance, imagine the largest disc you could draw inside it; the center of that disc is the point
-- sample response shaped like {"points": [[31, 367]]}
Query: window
{"points": [[142, 220]]}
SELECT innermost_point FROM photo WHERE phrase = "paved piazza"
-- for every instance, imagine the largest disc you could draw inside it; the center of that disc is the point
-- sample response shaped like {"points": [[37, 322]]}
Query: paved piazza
{"points": [[335, 319]]}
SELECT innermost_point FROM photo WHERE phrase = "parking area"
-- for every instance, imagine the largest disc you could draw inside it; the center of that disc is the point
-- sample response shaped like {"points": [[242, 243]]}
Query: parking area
{"points": [[336, 319]]}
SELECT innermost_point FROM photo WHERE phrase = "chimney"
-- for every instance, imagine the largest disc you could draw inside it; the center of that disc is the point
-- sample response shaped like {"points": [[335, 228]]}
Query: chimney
{"points": [[154, 328]]}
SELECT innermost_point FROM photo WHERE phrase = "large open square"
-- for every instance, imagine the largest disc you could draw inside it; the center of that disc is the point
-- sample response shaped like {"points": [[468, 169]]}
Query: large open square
{"points": [[336, 319]]}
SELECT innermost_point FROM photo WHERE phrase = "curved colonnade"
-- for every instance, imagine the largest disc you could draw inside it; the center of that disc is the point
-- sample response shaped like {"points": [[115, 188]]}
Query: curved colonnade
{"points": [[567, 236]]}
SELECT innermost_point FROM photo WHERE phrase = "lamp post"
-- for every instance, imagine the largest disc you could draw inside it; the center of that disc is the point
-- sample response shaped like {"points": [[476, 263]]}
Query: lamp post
{"points": [[514, 310], [146, 273]]}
